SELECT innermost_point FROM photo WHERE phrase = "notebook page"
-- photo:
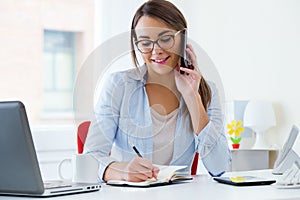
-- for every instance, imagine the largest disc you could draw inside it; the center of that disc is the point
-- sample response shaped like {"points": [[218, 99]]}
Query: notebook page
{"points": [[167, 171]]}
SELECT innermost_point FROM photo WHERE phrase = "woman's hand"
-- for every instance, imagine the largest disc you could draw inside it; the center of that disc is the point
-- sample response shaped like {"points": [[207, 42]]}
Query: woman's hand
{"points": [[188, 83], [138, 169]]}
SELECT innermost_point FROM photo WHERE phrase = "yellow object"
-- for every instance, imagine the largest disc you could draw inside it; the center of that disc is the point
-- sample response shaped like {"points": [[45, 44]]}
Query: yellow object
{"points": [[235, 128], [238, 179]]}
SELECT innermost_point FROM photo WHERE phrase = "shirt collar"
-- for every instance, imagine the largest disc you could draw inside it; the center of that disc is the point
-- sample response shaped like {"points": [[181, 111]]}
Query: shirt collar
{"points": [[139, 73]]}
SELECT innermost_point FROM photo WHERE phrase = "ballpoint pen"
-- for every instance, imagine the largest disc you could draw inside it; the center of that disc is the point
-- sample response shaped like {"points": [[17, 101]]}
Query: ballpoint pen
{"points": [[135, 149]]}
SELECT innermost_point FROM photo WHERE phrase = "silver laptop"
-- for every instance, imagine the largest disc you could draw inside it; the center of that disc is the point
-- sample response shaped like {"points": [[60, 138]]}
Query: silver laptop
{"points": [[19, 168]]}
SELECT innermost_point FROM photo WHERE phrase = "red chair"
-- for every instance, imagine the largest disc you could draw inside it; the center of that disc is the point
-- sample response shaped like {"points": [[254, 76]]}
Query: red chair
{"points": [[195, 164], [83, 129]]}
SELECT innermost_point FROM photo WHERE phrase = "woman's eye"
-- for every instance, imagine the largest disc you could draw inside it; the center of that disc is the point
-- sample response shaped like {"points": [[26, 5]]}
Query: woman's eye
{"points": [[145, 43], [165, 39]]}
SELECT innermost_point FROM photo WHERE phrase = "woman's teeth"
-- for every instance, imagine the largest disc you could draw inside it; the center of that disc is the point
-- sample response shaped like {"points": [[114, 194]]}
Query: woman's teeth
{"points": [[160, 60]]}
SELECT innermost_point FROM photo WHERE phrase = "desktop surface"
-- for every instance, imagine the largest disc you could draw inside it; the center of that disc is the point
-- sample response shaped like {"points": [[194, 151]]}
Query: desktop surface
{"points": [[202, 187]]}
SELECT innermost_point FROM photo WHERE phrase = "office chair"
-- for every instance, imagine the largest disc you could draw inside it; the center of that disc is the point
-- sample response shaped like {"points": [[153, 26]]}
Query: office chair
{"points": [[82, 132], [83, 129]]}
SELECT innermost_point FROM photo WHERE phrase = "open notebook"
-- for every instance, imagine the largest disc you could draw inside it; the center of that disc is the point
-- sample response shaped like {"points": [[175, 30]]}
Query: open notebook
{"points": [[167, 175]]}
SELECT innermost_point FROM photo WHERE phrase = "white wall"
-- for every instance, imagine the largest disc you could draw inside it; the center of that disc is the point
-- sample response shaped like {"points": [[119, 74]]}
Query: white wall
{"points": [[113, 17], [53, 144], [253, 44]]}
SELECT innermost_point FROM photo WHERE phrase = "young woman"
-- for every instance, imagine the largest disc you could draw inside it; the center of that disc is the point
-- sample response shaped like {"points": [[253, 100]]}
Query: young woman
{"points": [[167, 115]]}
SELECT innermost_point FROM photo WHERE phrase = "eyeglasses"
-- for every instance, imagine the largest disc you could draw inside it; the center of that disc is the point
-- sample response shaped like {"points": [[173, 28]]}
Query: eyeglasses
{"points": [[164, 42]]}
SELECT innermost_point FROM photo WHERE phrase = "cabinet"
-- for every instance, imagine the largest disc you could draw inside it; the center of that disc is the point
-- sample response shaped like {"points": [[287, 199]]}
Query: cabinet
{"points": [[252, 159]]}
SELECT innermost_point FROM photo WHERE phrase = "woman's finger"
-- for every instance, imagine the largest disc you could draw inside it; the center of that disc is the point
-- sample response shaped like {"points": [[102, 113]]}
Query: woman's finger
{"points": [[155, 172], [136, 177], [192, 72], [140, 169], [192, 56]]}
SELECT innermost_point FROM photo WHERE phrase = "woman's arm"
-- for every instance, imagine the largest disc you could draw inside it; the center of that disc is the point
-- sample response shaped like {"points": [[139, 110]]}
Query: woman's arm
{"points": [[188, 85], [196, 109], [104, 125], [207, 125], [102, 134], [212, 142]]}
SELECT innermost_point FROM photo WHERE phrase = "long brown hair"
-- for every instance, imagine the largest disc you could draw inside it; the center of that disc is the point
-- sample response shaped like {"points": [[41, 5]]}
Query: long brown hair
{"points": [[171, 16]]}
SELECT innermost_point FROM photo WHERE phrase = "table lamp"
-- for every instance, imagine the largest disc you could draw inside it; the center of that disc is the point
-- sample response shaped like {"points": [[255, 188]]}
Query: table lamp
{"points": [[259, 116]]}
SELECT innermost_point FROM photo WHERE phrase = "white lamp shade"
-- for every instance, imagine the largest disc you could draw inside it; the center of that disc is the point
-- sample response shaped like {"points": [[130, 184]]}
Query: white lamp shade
{"points": [[259, 115]]}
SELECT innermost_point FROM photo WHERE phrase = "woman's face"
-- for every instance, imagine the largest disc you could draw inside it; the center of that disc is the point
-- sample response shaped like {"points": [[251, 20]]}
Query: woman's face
{"points": [[158, 60]]}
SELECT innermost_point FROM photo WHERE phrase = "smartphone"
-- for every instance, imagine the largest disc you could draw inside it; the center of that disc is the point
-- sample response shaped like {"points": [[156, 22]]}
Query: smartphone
{"points": [[183, 58]]}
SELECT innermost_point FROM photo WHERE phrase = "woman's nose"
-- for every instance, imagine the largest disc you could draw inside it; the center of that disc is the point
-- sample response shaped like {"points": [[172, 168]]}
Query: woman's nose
{"points": [[156, 49]]}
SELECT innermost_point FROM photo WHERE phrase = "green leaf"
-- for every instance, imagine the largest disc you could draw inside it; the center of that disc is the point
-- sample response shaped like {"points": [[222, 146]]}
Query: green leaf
{"points": [[232, 140], [235, 140]]}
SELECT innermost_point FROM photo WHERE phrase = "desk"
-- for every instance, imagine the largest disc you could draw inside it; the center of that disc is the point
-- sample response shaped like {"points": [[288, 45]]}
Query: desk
{"points": [[202, 187]]}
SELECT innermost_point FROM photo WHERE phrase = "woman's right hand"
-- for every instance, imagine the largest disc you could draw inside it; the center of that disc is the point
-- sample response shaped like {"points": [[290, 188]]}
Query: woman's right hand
{"points": [[140, 169], [137, 170]]}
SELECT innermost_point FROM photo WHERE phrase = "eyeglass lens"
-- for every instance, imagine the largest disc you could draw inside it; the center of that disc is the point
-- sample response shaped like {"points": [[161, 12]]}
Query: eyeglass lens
{"points": [[165, 42]]}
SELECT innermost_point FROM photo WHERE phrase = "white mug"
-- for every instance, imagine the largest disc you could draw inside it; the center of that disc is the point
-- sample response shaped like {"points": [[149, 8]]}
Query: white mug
{"points": [[84, 169]]}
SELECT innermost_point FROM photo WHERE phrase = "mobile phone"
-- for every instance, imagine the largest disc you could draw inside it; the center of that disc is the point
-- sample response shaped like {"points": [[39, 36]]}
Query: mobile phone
{"points": [[183, 58]]}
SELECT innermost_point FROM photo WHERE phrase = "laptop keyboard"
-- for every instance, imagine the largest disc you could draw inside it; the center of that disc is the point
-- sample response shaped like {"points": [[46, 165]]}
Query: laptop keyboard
{"points": [[56, 184]]}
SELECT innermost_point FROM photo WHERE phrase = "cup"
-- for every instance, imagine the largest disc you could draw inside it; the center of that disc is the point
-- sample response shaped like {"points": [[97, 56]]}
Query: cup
{"points": [[84, 168]]}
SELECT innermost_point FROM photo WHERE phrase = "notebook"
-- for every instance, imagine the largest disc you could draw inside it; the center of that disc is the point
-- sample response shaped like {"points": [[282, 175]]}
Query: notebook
{"points": [[19, 168], [167, 175]]}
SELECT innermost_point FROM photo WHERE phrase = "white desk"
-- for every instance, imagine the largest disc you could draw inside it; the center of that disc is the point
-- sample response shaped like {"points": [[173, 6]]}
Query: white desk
{"points": [[202, 187]]}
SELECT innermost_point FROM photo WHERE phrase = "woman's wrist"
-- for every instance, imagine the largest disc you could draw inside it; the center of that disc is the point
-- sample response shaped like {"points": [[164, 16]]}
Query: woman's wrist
{"points": [[115, 171], [197, 111], [191, 97]]}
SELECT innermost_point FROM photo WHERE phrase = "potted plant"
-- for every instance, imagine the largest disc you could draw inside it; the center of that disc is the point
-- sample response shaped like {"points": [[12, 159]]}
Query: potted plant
{"points": [[235, 129]]}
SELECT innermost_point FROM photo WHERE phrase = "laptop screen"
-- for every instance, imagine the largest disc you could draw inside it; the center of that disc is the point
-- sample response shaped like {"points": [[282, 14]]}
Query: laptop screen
{"points": [[19, 168]]}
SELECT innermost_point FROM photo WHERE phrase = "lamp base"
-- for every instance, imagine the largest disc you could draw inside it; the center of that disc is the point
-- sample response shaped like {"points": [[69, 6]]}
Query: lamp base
{"points": [[260, 141]]}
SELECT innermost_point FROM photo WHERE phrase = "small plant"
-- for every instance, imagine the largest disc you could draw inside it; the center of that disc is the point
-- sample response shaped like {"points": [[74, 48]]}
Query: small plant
{"points": [[235, 129]]}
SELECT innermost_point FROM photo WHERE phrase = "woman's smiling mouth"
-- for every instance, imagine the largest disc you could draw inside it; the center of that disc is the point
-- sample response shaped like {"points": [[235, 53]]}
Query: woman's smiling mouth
{"points": [[160, 61]]}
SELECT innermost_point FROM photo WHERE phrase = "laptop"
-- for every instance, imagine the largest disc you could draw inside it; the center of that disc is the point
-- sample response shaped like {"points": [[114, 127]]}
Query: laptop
{"points": [[19, 168]]}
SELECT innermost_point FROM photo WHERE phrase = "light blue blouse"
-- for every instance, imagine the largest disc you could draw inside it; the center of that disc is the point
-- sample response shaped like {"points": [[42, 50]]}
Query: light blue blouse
{"points": [[122, 115]]}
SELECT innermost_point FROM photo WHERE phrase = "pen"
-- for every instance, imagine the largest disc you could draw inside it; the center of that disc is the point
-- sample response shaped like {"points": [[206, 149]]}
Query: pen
{"points": [[135, 149]]}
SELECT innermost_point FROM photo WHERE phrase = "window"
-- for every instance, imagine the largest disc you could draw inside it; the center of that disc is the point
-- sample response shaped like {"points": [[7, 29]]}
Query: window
{"points": [[59, 71]]}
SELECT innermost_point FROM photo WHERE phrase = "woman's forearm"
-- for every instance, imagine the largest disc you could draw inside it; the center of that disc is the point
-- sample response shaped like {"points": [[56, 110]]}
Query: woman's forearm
{"points": [[197, 111], [115, 171]]}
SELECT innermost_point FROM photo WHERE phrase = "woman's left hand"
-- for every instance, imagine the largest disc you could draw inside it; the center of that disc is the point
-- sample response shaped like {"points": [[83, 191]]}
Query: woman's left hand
{"points": [[188, 83]]}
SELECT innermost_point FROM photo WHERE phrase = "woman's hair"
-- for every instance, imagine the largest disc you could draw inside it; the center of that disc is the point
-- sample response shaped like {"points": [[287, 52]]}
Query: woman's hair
{"points": [[169, 14]]}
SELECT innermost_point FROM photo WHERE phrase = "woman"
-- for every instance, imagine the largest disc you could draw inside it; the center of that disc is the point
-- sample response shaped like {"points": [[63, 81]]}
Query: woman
{"points": [[167, 115]]}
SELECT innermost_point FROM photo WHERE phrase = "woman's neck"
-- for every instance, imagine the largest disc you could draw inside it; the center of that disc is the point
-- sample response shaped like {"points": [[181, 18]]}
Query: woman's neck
{"points": [[165, 80], [162, 92]]}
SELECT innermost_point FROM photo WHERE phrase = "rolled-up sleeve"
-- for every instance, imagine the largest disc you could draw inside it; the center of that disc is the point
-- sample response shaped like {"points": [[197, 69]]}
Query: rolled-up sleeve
{"points": [[104, 126], [211, 142]]}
